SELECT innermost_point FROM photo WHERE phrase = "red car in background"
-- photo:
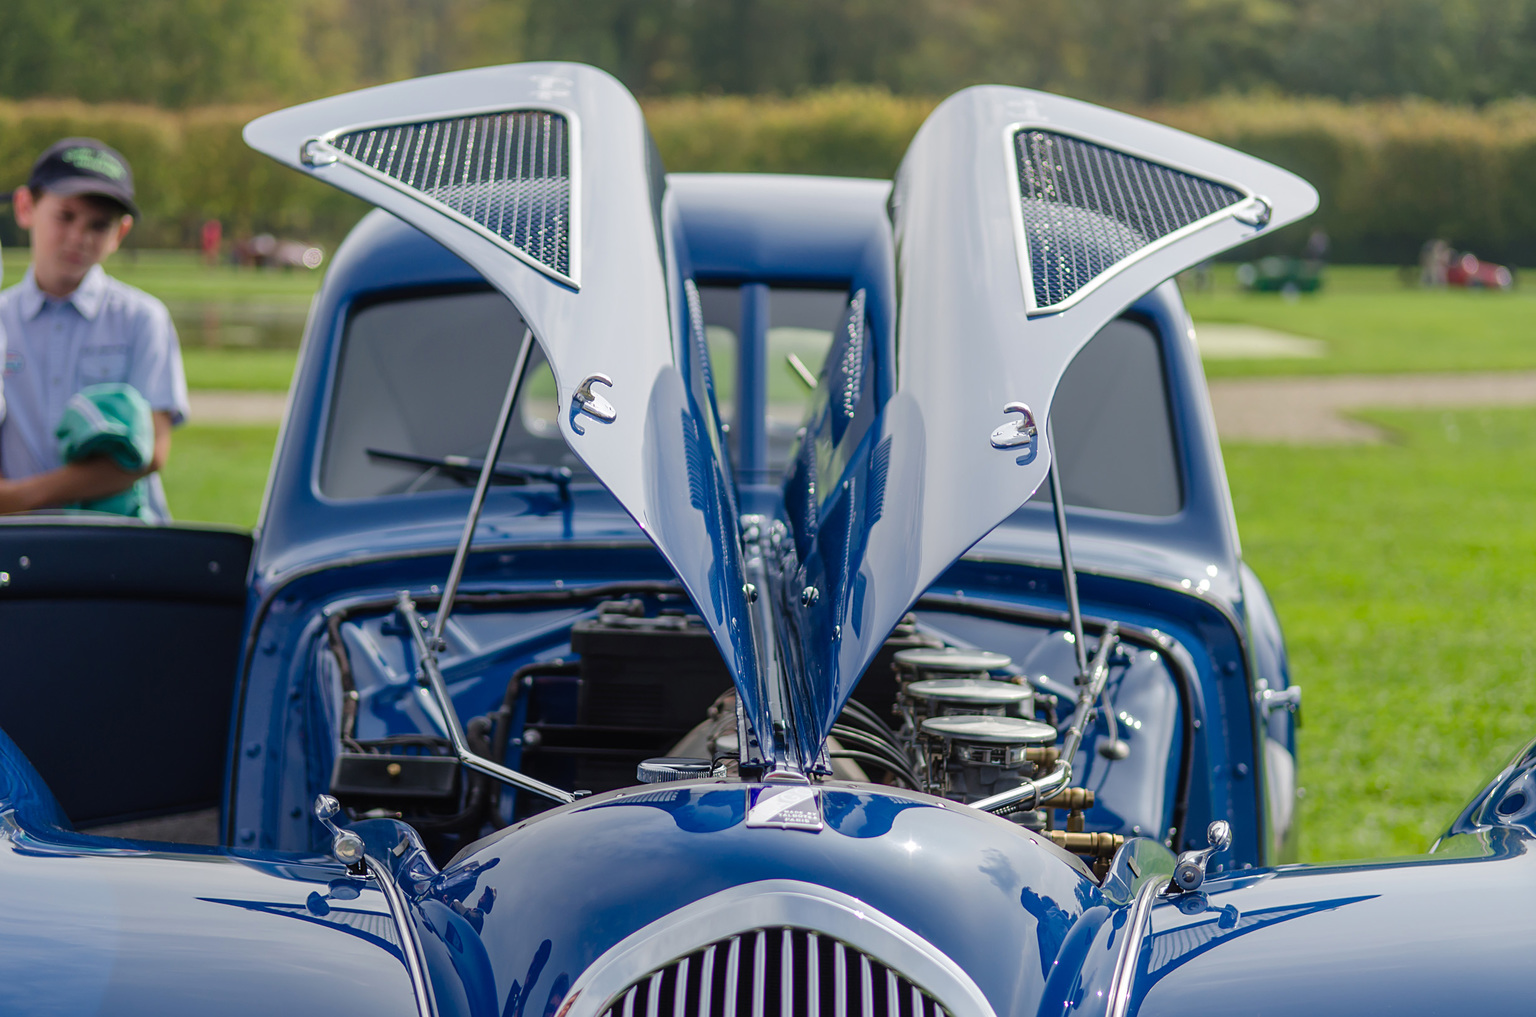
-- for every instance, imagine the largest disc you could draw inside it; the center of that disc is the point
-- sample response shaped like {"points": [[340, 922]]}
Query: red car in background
{"points": [[1468, 271]]}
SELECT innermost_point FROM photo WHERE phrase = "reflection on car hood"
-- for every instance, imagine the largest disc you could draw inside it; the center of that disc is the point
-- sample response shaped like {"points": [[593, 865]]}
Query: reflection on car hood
{"points": [[1019, 224]]}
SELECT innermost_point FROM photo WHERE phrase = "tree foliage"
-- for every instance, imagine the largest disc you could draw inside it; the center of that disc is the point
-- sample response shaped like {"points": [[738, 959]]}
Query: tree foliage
{"points": [[178, 53]]}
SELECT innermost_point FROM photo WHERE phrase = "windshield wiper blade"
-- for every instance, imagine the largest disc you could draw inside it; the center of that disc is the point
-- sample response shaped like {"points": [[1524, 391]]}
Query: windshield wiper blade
{"points": [[466, 466]]}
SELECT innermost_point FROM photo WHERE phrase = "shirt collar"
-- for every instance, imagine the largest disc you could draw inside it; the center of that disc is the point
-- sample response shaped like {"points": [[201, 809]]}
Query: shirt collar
{"points": [[87, 298]]}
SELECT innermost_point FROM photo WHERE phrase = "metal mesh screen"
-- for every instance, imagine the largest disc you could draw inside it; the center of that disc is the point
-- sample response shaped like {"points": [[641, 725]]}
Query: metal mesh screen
{"points": [[509, 173], [777, 972], [1087, 207]]}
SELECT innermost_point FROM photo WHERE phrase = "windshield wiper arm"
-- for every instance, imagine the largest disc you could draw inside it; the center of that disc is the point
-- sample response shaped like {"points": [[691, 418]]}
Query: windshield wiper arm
{"points": [[465, 466]]}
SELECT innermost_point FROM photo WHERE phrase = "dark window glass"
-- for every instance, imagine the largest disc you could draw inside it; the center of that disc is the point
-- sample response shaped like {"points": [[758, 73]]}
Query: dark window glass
{"points": [[425, 376], [721, 306], [800, 324], [1112, 429]]}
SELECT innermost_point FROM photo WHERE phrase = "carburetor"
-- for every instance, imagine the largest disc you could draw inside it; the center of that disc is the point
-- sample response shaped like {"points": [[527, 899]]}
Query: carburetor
{"points": [[970, 734], [974, 757]]}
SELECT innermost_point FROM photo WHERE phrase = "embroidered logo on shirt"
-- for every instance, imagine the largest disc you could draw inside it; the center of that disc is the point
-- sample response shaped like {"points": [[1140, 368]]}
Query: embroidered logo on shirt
{"points": [[13, 362]]}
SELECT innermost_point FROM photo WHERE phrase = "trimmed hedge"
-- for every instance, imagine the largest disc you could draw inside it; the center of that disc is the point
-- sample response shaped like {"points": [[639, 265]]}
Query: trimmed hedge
{"points": [[188, 166], [1391, 175]]}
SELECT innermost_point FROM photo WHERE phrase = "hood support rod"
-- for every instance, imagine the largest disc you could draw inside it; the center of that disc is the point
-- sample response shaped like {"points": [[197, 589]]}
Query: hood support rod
{"points": [[427, 649], [1068, 573], [1090, 679], [482, 486]]}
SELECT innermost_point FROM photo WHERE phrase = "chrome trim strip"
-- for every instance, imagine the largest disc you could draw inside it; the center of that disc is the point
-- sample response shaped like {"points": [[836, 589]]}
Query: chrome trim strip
{"points": [[840, 980], [680, 997], [410, 944], [732, 975], [1021, 241], [706, 980], [1130, 949], [778, 902], [786, 973], [813, 974], [759, 972], [573, 279], [653, 996]]}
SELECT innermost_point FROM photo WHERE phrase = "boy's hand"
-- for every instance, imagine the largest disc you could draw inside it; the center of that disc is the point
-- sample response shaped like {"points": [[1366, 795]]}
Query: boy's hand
{"points": [[86, 480]]}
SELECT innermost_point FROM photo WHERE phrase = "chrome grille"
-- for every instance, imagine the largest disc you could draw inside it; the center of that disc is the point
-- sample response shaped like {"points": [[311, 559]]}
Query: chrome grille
{"points": [[1086, 207], [508, 173], [774, 972]]}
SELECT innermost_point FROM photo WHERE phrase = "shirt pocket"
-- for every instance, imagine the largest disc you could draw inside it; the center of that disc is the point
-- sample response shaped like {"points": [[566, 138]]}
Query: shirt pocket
{"points": [[99, 364]]}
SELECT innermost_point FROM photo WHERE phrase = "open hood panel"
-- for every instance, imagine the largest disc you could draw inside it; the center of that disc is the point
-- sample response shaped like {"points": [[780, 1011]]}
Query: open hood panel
{"points": [[1020, 223], [543, 178], [1023, 223]]}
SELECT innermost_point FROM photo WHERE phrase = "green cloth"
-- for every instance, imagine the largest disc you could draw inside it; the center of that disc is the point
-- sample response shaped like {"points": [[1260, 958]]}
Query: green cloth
{"points": [[113, 420]]}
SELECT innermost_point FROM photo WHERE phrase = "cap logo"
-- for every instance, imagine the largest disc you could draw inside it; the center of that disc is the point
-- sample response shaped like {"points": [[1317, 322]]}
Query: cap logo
{"points": [[93, 161]]}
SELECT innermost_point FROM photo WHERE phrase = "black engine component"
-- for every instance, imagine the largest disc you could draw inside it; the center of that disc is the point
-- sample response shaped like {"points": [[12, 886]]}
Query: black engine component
{"points": [[642, 684]]}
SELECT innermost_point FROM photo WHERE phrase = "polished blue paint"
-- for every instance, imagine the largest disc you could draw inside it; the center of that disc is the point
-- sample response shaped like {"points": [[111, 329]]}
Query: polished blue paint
{"points": [[630, 857], [104, 925], [1423, 936]]}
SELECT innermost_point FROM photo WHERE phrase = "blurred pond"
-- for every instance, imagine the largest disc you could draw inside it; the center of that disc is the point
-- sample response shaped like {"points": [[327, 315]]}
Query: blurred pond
{"points": [[239, 324]]}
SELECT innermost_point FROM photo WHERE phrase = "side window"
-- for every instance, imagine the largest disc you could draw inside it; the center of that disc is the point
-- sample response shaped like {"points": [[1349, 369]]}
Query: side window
{"points": [[402, 363], [1112, 427]]}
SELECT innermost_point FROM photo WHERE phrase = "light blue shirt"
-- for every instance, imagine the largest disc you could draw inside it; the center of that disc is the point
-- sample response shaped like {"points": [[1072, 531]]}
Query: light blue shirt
{"points": [[106, 331]]}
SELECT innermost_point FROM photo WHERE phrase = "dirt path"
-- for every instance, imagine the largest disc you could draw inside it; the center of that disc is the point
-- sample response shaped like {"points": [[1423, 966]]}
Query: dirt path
{"points": [[1296, 411], [1311, 410], [211, 406]]}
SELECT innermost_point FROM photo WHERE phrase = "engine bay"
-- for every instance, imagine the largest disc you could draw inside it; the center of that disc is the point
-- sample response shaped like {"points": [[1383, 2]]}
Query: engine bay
{"points": [[596, 689]]}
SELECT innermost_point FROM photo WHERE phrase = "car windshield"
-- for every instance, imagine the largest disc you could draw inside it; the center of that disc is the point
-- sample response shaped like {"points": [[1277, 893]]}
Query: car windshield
{"points": [[799, 325], [421, 378], [418, 386]]}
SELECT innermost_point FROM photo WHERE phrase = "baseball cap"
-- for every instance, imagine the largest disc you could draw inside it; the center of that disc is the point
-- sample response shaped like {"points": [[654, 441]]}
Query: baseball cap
{"points": [[84, 166]]}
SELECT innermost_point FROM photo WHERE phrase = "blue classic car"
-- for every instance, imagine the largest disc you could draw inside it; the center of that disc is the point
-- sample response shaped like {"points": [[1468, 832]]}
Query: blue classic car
{"points": [[713, 595]]}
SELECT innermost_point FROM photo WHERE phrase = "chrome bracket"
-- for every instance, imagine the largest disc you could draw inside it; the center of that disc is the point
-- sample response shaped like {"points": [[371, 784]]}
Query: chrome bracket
{"points": [[1269, 700], [317, 152], [1254, 212], [1189, 873], [346, 846], [1019, 434], [586, 401]]}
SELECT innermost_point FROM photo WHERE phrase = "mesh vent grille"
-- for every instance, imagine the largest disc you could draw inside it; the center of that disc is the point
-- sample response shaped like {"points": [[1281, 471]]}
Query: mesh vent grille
{"points": [[775, 972], [509, 173], [1087, 207]]}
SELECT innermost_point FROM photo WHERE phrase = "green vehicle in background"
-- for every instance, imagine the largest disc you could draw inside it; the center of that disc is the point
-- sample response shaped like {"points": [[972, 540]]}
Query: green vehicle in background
{"points": [[1279, 274]]}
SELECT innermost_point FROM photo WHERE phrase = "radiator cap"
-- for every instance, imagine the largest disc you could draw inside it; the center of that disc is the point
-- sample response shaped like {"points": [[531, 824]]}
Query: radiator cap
{"points": [[662, 769]]}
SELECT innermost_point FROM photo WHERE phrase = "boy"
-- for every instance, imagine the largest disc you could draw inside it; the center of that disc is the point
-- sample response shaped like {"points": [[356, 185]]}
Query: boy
{"points": [[68, 325]]}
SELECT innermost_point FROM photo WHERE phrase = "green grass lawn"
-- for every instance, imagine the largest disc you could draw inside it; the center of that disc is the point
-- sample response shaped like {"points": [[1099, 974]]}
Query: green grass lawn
{"points": [[1374, 324], [246, 369], [181, 275], [216, 474], [1403, 577]]}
